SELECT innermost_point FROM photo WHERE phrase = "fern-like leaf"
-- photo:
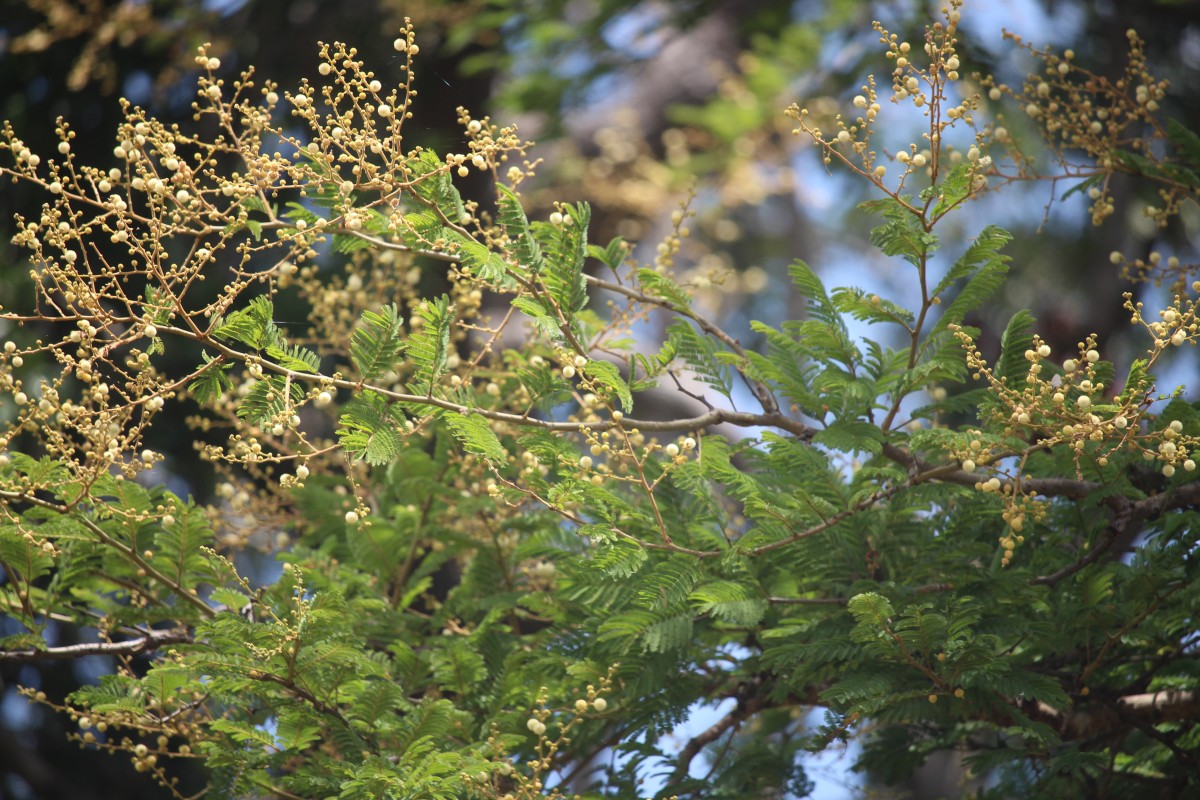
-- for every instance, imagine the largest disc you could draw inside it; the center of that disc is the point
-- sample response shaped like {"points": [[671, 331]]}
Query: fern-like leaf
{"points": [[525, 247], [377, 341], [983, 267], [475, 435], [429, 345], [565, 253], [294, 357], [607, 375], [1012, 365], [369, 428], [700, 353]]}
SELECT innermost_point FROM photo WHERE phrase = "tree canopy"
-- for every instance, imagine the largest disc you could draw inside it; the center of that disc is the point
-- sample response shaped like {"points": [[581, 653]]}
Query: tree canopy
{"points": [[374, 471]]}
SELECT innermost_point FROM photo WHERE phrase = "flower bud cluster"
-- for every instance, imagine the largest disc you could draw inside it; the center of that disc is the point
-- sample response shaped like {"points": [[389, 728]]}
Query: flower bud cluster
{"points": [[920, 77], [1082, 111]]}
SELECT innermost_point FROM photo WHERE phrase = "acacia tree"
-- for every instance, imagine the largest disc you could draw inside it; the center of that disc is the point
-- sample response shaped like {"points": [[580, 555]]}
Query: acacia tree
{"points": [[494, 571]]}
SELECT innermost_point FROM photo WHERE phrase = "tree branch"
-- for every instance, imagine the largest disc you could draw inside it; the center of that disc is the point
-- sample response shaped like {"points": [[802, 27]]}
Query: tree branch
{"points": [[152, 641], [1122, 713], [1127, 522], [741, 712]]}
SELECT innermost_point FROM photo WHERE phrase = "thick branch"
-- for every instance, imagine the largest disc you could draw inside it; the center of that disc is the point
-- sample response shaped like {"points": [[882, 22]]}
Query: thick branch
{"points": [[145, 644], [1123, 713], [1127, 522], [740, 713]]}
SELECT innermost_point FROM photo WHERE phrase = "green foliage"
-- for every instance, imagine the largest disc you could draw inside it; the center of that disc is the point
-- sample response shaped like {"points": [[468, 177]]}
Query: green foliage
{"points": [[429, 345], [489, 573], [377, 342], [372, 428]]}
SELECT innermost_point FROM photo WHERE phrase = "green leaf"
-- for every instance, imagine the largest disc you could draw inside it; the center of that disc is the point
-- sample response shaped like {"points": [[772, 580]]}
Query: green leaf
{"points": [[612, 255], [294, 357], [812, 289], [376, 344], [870, 308], [1187, 143], [432, 183], [270, 398], [658, 633], [251, 326], [565, 253], [984, 269], [212, 382], [700, 353], [371, 428], [729, 601], [621, 559], [871, 610], [485, 264], [851, 435], [1012, 366], [607, 375], [512, 217], [181, 547], [954, 188], [475, 434], [902, 235], [661, 286], [429, 344]]}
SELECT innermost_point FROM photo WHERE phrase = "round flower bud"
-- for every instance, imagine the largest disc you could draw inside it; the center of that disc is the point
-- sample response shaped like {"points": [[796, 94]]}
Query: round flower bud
{"points": [[568, 372], [351, 517], [323, 399], [1044, 351], [301, 472], [672, 450], [1176, 426], [599, 704], [1168, 470], [581, 705], [585, 462], [968, 465]]}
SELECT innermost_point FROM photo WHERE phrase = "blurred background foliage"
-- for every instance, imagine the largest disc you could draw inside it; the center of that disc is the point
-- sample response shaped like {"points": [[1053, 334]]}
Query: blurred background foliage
{"points": [[637, 106]]}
